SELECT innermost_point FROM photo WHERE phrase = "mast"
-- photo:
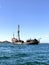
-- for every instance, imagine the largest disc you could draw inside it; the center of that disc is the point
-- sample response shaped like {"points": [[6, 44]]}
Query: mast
{"points": [[18, 32]]}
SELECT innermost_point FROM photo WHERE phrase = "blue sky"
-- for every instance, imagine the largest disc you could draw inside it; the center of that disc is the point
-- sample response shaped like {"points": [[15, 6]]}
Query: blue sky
{"points": [[31, 15]]}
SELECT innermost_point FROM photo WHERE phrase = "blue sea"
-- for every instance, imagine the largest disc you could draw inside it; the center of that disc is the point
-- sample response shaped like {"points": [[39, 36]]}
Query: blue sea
{"points": [[13, 54]]}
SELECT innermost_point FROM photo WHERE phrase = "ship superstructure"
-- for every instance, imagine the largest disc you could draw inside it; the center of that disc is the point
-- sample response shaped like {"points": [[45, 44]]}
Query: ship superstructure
{"points": [[14, 39], [32, 41]]}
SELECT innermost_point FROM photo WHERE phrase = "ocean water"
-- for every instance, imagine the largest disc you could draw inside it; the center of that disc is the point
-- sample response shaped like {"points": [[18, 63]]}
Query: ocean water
{"points": [[13, 54]]}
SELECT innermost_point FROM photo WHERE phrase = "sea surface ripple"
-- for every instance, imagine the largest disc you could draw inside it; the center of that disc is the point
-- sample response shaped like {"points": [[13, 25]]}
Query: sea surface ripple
{"points": [[13, 54]]}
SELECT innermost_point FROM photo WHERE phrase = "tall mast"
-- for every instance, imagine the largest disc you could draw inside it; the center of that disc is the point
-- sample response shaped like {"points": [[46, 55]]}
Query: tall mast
{"points": [[18, 32]]}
